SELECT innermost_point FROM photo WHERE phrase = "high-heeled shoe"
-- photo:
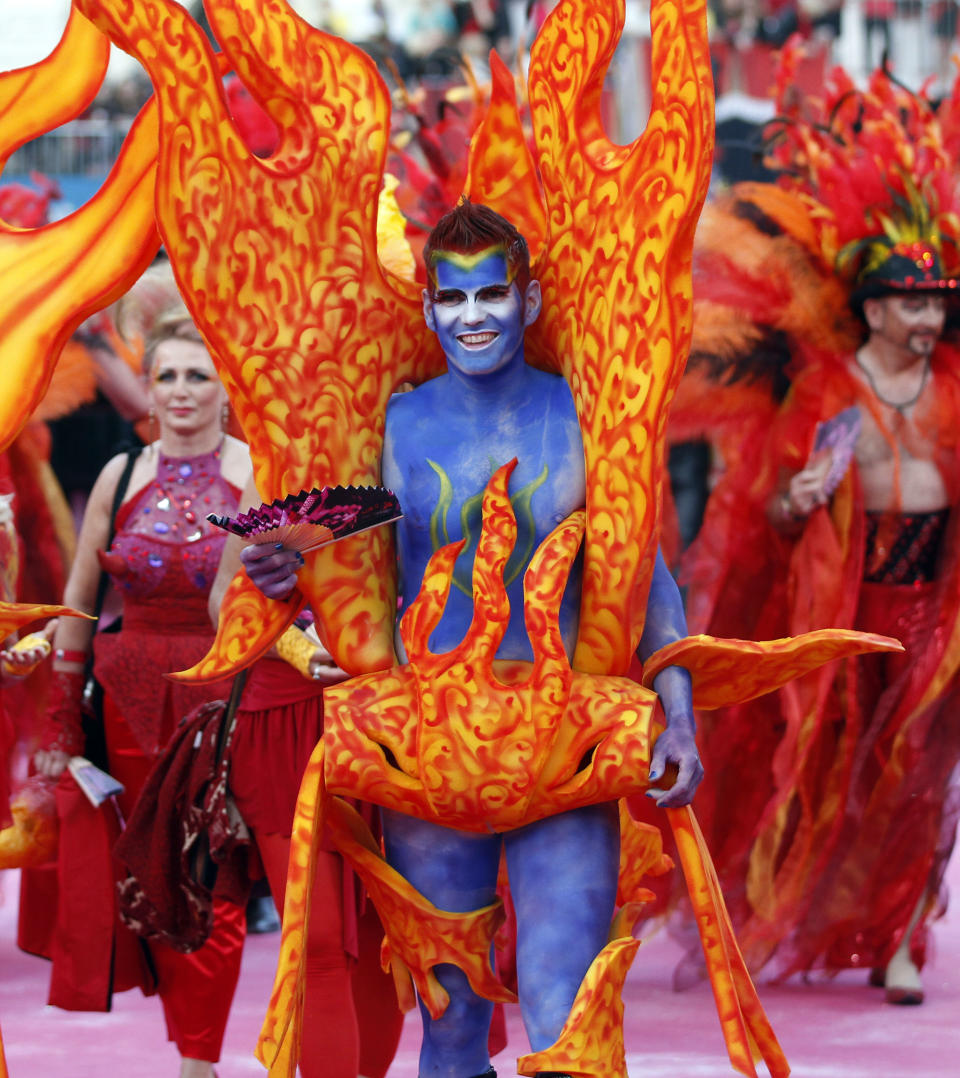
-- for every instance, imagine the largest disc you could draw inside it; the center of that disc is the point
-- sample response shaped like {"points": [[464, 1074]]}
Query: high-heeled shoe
{"points": [[903, 984]]}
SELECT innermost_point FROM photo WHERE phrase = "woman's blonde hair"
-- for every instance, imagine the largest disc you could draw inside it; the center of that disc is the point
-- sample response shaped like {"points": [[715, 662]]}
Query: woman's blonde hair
{"points": [[153, 312], [174, 323]]}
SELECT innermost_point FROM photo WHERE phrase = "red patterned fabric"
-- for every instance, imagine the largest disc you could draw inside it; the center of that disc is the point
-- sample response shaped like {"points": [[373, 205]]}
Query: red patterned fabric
{"points": [[829, 806], [62, 728], [182, 800]]}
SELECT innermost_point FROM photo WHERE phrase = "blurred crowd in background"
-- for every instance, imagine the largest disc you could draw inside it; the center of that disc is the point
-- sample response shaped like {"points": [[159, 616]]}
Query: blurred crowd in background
{"points": [[426, 46]]}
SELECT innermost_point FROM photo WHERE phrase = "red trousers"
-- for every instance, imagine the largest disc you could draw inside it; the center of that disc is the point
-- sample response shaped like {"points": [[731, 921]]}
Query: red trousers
{"points": [[351, 1021], [196, 989]]}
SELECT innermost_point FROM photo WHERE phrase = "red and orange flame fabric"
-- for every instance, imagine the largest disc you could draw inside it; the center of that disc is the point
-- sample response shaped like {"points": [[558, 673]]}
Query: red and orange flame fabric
{"points": [[54, 276]]}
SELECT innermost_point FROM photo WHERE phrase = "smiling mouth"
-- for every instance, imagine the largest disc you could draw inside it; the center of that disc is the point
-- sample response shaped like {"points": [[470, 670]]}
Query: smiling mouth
{"points": [[477, 340]]}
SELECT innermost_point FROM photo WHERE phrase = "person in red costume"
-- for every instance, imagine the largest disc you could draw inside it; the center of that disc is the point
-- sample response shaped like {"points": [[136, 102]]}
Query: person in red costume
{"points": [[833, 857], [162, 557], [826, 355], [353, 1021]]}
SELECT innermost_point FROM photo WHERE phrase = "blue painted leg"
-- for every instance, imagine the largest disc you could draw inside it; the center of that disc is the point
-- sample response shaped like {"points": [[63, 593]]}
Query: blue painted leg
{"points": [[456, 871], [563, 878]]}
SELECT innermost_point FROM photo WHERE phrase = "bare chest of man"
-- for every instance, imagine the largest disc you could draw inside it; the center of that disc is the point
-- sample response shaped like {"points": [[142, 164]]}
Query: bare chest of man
{"points": [[897, 465]]}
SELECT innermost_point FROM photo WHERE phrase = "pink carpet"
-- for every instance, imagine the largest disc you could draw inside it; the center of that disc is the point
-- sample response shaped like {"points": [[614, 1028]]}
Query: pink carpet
{"points": [[833, 1029]]}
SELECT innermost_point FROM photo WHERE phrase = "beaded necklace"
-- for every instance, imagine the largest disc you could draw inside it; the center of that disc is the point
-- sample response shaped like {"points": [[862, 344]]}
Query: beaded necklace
{"points": [[900, 406]]}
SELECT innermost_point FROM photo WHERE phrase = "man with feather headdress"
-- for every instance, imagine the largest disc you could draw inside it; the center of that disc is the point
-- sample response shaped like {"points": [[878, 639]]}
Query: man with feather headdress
{"points": [[833, 855]]}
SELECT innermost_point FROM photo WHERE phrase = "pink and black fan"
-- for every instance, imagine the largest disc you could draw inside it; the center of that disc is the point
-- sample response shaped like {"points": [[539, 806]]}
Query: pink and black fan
{"points": [[313, 519]]}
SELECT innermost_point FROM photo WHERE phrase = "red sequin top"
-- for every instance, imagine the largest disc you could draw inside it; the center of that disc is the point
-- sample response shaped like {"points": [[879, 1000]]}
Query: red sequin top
{"points": [[163, 560]]}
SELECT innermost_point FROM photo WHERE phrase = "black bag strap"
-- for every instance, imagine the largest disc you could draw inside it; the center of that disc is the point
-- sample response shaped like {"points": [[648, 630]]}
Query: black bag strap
{"points": [[229, 722], [122, 484], [94, 738]]}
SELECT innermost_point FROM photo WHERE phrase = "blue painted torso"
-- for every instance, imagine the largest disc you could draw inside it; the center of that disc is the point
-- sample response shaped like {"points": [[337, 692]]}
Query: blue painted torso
{"points": [[472, 429]]}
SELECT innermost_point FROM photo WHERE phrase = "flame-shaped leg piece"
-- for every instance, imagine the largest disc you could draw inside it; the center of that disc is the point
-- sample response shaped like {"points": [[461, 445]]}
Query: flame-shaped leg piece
{"points": [[591, 1042]]}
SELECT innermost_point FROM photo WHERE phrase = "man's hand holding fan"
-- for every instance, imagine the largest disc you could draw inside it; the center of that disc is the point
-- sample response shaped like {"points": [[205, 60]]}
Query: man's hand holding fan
{"points": [[281, 532]]}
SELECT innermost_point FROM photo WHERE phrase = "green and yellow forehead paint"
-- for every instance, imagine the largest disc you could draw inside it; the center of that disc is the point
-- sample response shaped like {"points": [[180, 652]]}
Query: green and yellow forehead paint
{"points": [[468, 261]]}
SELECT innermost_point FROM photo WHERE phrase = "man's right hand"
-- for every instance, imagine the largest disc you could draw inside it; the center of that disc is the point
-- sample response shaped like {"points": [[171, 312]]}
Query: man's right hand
{"points": [[272, 568], [807, 488]]}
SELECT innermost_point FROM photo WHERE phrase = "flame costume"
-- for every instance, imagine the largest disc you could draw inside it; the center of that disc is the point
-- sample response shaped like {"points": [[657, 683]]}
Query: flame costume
{"points": [[849, 817], [277, 259]]}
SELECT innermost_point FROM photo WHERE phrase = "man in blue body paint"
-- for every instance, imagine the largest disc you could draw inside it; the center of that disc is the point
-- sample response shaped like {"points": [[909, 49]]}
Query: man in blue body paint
{"points": [[443, 441]]}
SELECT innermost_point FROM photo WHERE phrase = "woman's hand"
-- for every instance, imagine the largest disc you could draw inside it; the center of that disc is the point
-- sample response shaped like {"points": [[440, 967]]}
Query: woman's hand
{"points": [[51, 762], [323, 668], [24, 656]]}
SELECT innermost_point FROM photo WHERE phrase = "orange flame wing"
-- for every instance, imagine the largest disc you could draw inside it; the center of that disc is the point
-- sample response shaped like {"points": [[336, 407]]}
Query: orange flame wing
{"points": [[727, 672], [502, 172], [53, 277], [16, 615], [277, 260], [615, 273]]}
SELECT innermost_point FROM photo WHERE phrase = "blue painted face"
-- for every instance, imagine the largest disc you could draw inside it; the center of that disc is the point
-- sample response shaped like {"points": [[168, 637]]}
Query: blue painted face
{"points": [[479, 315]]}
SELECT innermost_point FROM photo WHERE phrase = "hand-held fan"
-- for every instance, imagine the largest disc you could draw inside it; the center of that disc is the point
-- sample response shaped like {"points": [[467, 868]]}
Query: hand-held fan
{"points": [[312, 519], [838, 436]]}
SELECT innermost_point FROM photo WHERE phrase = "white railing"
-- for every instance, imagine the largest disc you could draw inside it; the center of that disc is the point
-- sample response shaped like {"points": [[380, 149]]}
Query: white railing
{"points": [[81, 147]]}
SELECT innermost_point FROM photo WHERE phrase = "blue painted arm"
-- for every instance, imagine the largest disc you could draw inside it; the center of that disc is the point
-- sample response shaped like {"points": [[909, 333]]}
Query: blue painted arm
{"points": [[675, 747]]}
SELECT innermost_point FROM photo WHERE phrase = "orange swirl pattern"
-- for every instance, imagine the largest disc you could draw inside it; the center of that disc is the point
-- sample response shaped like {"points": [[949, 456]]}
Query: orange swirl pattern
{"points": [[277, 261], [254, 623], [479, 744], [615, 272], [591, 1042], [727, 672], [746, 1030], [53, 277]]}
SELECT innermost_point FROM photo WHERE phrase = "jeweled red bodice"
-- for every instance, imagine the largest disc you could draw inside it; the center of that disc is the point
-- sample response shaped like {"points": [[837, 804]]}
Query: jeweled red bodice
{"points": [[163, 560], [163, 545]]}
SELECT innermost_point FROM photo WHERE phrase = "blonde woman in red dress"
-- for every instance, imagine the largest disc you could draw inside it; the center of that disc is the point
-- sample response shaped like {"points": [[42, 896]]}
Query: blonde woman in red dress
{"points": [[162, 558]]}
